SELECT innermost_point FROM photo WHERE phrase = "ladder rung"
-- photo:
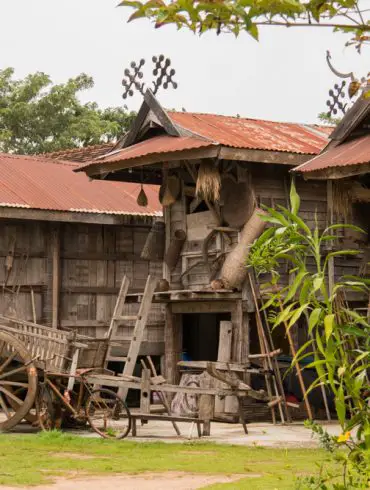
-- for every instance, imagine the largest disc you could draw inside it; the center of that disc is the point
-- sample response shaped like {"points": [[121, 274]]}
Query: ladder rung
{"points": [[117, 359], [125, 317]]}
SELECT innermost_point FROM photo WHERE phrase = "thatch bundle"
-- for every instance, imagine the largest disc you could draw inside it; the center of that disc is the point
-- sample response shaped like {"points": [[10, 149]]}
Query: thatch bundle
{"points": [[208, 181]]}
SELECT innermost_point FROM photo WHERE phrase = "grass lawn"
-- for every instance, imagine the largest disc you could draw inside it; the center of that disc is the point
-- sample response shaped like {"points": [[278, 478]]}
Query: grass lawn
{"points": [[36, 459]]}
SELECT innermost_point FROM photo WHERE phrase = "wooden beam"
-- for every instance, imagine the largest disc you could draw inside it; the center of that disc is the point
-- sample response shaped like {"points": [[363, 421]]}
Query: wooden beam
{"points": [[136, 125], [69, 216], [263, 156], [102, 168]]}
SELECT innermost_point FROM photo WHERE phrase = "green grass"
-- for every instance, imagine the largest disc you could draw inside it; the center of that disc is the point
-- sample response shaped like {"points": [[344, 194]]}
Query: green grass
{"points": [[37, 459]]}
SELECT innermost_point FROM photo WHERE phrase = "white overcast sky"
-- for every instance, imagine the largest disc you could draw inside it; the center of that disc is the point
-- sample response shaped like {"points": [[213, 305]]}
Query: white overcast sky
{"points": [[282, 77]]}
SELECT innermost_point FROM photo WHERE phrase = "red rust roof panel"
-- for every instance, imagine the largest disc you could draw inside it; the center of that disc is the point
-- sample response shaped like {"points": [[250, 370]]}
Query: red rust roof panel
{"points": [[83, 154], [156, 145], [253, 133], [40, 183], [350, 153]]}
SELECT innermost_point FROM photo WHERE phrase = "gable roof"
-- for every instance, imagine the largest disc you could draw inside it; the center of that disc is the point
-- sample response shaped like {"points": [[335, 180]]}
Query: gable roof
{"points": [[348, 152], [190, 136], [35, 182]]}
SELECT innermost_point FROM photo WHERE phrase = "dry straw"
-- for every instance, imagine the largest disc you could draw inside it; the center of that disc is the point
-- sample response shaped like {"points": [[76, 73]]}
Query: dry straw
{"points": [[208, 181]]}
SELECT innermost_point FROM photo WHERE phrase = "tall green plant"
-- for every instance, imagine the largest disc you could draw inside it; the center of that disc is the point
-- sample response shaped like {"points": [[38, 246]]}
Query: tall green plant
{"points": [[339, 336]]}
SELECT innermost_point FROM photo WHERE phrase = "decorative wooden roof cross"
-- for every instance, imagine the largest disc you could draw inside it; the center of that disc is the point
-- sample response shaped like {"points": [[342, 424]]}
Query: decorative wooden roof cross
{"points": [[338, 100], [161, 71]]}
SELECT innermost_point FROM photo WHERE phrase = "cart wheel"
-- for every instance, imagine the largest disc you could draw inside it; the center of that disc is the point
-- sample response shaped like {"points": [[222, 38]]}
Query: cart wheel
{"points": [[45, 409], [107, 414], [16, 371], [31, 416]]}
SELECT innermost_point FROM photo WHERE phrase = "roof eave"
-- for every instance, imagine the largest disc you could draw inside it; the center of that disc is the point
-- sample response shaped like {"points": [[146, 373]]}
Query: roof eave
{"points": [[334, 173]]}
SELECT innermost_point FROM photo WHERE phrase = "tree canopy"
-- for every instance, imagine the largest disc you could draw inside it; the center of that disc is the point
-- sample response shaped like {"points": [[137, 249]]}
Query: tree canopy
{"points": [[37, 116], [350, 16]]}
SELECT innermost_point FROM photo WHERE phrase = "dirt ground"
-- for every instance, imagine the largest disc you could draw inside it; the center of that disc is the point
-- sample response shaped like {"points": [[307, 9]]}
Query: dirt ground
{"points": [[150, 481]]}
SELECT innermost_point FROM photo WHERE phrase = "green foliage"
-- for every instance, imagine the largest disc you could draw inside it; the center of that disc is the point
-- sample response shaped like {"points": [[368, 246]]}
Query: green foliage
{"points": [[326, 119], [339, 336], [235, 16], [37, 116]]}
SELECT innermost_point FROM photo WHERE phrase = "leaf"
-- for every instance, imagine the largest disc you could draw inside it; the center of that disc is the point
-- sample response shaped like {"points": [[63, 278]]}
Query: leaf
{"points": [[294, 199], [329, 325], [284, 315], [340, 406], [340, 226], [253, 31], [295, 285], [358, 318], [296, 315], [314, 319], [317, 283]]}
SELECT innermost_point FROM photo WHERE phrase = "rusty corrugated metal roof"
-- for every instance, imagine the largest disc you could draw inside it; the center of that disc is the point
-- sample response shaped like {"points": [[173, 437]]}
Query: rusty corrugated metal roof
{"points": [[355, 152], [156, 145], [40, 183], [81, 155], [254, 134]]}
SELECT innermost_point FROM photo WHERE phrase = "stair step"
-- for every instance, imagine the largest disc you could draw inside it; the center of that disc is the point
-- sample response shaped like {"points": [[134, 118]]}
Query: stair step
{"points": [[116, 359], [125, 318]]}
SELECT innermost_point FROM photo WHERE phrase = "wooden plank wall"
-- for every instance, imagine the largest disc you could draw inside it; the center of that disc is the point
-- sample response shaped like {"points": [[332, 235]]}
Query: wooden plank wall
{"points": [[271, 184], [93, 260]]}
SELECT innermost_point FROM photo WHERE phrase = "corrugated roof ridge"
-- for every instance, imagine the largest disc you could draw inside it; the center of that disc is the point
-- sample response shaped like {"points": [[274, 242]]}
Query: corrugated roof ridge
{"points": [[240, 117], [39, 159]]}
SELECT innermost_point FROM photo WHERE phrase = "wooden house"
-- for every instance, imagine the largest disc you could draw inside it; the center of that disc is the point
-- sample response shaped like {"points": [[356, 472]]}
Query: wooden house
{"points": [[251, 162], [65, 244], [345, 165]]}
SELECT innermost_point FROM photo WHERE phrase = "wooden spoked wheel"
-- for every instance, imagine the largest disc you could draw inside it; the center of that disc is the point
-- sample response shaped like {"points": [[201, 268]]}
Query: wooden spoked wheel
{"points": [[108, 415], [17, 374]]}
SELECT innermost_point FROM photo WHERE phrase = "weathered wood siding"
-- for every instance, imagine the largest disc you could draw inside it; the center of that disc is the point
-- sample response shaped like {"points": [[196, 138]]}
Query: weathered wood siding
{"points": [[93, 260], [271, 184]]}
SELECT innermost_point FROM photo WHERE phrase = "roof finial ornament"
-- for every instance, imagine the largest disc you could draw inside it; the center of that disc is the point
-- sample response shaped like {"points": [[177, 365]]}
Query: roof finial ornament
{"points": [[162, 72], [337, 94]]}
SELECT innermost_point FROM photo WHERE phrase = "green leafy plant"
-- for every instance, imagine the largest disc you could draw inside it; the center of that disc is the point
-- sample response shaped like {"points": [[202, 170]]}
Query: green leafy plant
{"points": [[338, 334], [235, 16]]}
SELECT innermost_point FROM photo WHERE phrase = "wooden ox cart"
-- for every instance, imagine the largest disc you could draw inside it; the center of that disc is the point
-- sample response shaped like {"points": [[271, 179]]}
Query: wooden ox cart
{"points": [[43, 379]]}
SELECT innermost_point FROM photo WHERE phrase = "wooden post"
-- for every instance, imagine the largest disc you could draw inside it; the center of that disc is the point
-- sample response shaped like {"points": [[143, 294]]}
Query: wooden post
{"points": [[330, 219], [206, 405], [224, 355], [55, 274], [172, 344], [145, 391], [231, 402]]}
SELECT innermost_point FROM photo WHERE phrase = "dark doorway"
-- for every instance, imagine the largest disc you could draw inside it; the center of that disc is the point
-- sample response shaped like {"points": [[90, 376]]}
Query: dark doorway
{"points": [[201, 335]]}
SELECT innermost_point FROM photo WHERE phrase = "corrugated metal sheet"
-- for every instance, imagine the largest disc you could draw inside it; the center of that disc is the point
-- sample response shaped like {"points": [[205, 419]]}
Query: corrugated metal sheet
{"points": [[253, 134], [354, 152], [84, 154], [156, 145], [40, 183]]}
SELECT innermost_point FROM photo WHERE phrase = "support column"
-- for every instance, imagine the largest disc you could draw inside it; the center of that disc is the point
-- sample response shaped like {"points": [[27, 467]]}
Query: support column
{"points": [[173, 344]]}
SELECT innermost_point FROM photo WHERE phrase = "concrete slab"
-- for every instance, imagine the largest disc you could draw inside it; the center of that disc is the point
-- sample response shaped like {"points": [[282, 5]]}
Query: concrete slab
{"points": [[259, 434]]}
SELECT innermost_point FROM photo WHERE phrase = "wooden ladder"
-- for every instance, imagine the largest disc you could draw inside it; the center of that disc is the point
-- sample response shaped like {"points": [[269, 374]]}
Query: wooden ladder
{"points": [[116, 318], [139, 329]]}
